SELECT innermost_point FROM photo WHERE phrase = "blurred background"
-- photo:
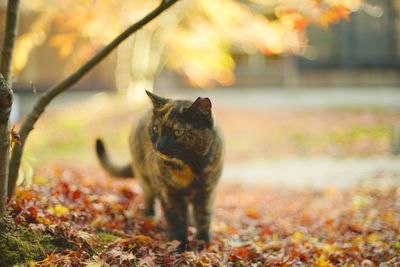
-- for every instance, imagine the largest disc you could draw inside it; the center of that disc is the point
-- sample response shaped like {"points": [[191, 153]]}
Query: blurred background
{"points": [[306, 92]]}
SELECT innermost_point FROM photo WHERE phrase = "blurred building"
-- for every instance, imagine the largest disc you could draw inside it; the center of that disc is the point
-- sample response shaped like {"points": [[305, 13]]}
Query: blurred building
{"points": [[362, 52]]}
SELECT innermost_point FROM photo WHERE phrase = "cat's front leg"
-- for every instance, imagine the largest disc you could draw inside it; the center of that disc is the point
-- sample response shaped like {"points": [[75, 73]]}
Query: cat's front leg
{"points": [[202, 210], [175, 211], [149, 197]]}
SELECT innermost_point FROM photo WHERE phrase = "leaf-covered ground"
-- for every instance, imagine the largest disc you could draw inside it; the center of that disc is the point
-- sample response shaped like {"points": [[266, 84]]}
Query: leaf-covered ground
{"points": [[80, 217]]}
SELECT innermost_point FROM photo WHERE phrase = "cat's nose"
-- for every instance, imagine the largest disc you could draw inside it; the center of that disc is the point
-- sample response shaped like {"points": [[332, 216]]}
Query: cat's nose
{"points": [[162, 142]]}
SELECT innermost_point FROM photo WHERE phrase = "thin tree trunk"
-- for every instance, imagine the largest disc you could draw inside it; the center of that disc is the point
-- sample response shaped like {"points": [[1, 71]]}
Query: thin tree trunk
{"points": [[51, 93], [9, 39], [5, 110], [6, 97]]}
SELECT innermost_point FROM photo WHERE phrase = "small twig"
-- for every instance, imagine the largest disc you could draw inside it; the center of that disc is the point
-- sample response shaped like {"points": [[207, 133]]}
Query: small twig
{"points": [[33, 87]]}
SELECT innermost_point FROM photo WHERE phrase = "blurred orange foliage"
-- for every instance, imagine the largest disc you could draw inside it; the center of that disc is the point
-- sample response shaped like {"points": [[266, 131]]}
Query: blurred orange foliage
{"points": [[195, 38]]}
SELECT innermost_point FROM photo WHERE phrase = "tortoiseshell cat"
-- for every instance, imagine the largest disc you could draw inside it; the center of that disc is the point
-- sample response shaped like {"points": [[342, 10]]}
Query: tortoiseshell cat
{"points": [[177, 155]]}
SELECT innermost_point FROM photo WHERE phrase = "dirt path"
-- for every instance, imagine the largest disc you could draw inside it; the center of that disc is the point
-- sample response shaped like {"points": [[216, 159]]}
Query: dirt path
{"points": [[300, 98], [315, 172]]}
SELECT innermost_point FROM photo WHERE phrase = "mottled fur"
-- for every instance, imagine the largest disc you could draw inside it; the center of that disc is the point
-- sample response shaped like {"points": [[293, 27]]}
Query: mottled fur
{"points": [[177, 155]]}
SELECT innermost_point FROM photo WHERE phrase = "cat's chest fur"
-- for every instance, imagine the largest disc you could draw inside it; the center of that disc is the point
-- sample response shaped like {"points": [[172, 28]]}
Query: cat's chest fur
{"points": [[174, 172]]}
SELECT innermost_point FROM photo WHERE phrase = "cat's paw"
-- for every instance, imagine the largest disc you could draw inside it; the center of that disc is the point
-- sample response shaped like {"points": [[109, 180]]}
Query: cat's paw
{"points": [[204, 236]]}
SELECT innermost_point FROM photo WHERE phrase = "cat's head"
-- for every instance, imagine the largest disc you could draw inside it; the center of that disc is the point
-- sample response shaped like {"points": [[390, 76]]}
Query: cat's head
{"points": [[181, 129]]}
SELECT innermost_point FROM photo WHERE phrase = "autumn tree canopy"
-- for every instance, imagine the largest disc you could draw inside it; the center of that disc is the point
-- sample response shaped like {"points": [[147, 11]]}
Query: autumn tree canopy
{"points": [[196, 39]]}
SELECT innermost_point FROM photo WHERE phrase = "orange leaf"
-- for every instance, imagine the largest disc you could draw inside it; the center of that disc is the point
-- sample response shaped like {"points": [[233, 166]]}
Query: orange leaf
{"points": [[333, 15], [252, 213], [240, 252], [301, 23]]}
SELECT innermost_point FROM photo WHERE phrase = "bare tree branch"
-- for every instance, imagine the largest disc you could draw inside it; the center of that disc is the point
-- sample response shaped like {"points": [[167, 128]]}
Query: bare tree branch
{"points": [[9, 39], [51, 93], [5, 110]]}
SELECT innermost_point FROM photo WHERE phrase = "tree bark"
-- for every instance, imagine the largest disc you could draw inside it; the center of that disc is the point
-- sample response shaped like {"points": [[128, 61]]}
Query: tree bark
{"points": [[5, 110], [6, 97], [52, 92], [9, 39]]}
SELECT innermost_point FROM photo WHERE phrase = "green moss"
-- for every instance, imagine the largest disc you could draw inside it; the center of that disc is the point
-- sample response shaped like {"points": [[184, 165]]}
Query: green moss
{"points": [[351, 134], [106, 237], [19, 245]]}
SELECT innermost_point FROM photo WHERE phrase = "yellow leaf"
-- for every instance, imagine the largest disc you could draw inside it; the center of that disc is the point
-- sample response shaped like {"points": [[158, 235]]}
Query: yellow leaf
{"points": [[275, 236], [321, 262], [94, 263], [40, 180], [360, 201], [328, 248], [58, 210], [297, 236], [44, 220], [23, 48], [372, 239], [357, 239], [64, 43], [388, 217], [142, 238]]}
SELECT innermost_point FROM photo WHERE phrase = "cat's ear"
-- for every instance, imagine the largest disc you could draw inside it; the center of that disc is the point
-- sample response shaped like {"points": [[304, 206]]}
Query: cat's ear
{"points": [[202, 106], [158, 101], [199, 113]]}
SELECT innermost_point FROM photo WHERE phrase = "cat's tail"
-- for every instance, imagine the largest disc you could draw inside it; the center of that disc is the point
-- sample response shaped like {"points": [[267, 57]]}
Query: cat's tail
{"points": [[117, 171]]}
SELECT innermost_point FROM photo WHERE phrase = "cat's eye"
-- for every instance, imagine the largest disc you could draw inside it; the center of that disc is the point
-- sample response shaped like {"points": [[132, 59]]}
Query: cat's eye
{"points": [[178, 132], [154, 128]]}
